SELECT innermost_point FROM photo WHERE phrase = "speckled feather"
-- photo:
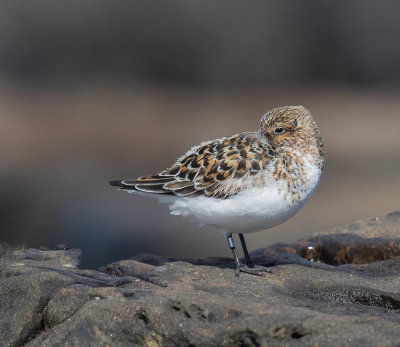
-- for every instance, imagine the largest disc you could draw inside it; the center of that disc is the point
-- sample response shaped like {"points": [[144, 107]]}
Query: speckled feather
{"points": [[217, 168]]}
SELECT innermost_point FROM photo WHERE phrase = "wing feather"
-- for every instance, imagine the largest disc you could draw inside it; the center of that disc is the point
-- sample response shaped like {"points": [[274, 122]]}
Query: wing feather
{"points": [[217, 168]]}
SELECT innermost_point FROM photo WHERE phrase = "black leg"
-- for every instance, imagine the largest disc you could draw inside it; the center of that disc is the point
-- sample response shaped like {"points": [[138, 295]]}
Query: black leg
{"points": [[249, 262], [232, 246], [250, 268]]}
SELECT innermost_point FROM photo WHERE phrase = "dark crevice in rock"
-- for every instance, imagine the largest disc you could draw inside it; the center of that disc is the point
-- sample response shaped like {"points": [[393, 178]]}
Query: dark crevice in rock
{"points": [[34, 334], [282, 259], [41, 328], [246, 338], [192, 311], [287, 333], [389, 302], [142, 316], [89, 277], [297, 335]]}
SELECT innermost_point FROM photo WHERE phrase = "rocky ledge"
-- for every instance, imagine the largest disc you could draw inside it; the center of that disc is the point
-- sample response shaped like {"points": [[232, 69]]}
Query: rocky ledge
{"points": [[339, 287]]}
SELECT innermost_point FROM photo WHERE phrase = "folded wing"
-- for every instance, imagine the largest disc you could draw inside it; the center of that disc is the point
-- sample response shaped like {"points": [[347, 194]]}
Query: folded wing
{"points": [[217, 168]]}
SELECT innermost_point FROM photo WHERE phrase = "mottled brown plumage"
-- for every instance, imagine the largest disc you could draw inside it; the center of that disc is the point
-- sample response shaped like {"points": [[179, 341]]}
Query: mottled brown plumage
{"points": [[210, 169]]}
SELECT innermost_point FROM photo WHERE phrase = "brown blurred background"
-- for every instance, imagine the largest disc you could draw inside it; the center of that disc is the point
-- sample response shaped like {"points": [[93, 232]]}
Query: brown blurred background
{"points": [[98, 90]]}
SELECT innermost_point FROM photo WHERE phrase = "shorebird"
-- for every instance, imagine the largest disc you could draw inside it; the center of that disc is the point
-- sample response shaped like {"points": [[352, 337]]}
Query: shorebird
{"points": [[243, 183]]}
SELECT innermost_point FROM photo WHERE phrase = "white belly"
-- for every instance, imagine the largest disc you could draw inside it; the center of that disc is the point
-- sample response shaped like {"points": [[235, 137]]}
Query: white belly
{"points": [[251, 210]]}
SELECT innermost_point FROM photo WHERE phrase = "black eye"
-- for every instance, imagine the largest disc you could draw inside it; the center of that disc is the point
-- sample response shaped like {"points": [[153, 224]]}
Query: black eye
{"points": [[279, 130]]}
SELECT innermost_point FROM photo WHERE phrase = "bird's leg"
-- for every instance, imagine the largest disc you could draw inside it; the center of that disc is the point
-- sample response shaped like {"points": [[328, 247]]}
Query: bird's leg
{"points": [[254, 269], [249, 262], [232, 246]]}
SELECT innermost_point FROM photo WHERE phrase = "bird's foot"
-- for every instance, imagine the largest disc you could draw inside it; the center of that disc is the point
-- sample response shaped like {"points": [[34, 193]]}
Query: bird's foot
{"points": [[257, 270]]}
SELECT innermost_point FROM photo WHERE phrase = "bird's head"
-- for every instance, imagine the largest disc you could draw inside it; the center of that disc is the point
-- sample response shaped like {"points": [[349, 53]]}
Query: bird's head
{"points": [[291, 126]]}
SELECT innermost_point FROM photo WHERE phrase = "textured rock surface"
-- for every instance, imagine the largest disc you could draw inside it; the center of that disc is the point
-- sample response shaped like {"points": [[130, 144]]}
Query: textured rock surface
{"points": [[339, 287]]}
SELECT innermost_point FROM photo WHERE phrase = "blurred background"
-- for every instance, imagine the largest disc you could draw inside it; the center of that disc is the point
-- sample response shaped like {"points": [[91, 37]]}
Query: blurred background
{"points": [[98, 90]]}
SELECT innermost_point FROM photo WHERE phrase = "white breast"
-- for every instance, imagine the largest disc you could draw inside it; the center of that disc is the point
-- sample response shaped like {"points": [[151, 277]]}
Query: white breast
{"points": [[251, 210]]}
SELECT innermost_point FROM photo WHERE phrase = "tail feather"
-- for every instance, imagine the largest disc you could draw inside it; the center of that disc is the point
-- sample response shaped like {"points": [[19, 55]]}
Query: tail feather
{"points": [[159, 185], [152, 184], [116, 183]]}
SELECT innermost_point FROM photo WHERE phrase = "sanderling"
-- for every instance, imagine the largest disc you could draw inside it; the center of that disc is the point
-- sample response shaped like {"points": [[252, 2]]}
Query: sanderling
{"points": [[244, 183]]}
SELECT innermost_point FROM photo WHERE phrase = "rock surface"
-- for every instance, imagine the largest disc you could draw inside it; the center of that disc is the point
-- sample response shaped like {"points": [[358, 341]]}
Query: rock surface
{"points": [[339, 287]]}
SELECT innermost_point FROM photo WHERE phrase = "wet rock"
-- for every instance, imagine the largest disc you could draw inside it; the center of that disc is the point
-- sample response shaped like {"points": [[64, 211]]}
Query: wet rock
{"points": [[372, 240], [338, 287]]}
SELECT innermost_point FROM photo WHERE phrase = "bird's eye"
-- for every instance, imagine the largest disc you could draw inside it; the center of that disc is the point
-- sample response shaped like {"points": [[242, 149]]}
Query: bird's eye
{"points": [[279, 130]]}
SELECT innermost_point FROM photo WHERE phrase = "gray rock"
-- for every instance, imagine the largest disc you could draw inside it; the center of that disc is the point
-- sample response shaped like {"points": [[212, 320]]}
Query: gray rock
{"points": [[339, 287]]}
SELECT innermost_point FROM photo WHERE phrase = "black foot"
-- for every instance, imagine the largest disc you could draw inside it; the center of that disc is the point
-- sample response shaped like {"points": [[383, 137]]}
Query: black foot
{"points": [[257, 270]]}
